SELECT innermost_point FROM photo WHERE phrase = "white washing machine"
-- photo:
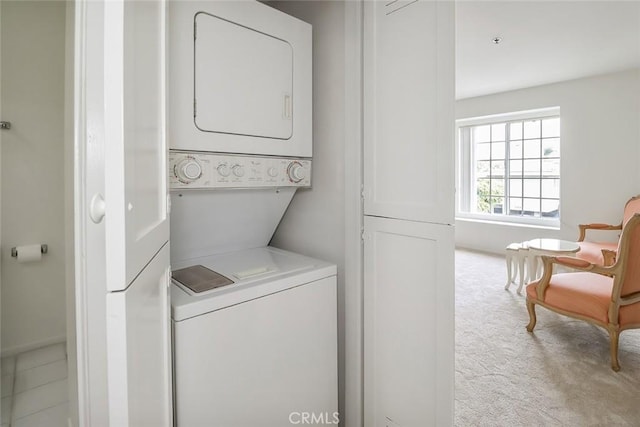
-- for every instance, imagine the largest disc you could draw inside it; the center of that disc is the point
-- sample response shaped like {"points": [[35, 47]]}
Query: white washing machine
{"points": [[260, 351], [254, 327]]}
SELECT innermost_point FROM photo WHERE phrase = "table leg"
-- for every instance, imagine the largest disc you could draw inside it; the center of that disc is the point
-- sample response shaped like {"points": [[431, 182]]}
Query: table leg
{"points": [[521, 260]]}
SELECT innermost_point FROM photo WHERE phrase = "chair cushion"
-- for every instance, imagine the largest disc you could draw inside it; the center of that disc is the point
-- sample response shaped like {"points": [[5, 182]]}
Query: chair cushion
{"points": [[586, 294], [592, 251]]}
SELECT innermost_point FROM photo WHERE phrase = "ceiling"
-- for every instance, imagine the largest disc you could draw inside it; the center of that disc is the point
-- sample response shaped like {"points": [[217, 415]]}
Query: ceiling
{"points": [[542, 42]]}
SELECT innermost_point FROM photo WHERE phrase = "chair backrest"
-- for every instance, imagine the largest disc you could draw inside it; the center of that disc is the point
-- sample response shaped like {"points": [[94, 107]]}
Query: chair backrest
{"points": [[629, 255], [630, 208]]}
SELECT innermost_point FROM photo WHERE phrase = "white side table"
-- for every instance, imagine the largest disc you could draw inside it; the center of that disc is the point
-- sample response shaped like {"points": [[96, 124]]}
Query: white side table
{"points": [[516, 255], [551, 247]]}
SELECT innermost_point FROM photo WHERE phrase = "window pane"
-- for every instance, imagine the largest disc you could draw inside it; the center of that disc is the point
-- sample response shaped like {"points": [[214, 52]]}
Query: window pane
{"points": [[481, 133], [497, 205], [531, 207], [497, 150], [515, 130], [483, 151], [551, 188], [482, 168], [515, 149], [532, 129], [498, 131], [482, 193], [515, 168], [497, 168], [515, 187], [531, 188], [532, 168], [551, 147], [515, 206], [551, 127], [532, 148], [497, 187], [550, 208], [551, 167]]}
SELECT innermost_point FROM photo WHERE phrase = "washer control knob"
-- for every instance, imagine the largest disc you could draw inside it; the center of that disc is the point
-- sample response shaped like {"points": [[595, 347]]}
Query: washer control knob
{"points": [[272, 172], [296, 172], [238, 170], [223, 170], [188, 170]]}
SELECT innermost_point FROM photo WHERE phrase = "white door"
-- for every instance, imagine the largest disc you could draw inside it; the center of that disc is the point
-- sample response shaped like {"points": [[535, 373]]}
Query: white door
{"points": [[409, 334], [408, 194], [408, 110], [122, 230]]}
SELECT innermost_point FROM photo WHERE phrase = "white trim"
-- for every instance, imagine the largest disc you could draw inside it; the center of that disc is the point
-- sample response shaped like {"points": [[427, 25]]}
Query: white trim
{"points": [[507, 117], [503, 221], [79, 172], [352, 413]]}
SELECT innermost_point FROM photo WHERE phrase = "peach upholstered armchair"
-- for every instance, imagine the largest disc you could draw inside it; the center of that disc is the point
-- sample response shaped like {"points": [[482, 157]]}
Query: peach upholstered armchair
{"points": [[605, 296], [604, 253]]}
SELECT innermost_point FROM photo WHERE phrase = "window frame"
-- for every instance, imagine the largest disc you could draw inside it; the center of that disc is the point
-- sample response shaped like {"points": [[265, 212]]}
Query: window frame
{"points": [[465, 172]]}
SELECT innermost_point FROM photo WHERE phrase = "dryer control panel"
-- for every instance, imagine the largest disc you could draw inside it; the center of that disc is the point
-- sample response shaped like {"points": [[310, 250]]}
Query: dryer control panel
{"points": [[214, 170]]}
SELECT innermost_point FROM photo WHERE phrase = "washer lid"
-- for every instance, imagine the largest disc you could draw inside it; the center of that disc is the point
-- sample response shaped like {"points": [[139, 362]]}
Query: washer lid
{"points": [[257, 272]]}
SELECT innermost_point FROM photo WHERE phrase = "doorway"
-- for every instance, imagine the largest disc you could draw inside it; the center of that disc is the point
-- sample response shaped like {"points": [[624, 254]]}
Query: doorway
{"points": [[37, 338]]}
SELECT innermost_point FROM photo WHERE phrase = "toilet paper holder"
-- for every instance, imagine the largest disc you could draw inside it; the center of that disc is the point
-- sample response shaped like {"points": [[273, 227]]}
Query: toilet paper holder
{"points": [[43, 248]]}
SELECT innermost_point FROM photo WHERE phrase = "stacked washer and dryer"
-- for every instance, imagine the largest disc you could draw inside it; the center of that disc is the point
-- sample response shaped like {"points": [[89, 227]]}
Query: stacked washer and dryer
{"points": [[254, 327]]}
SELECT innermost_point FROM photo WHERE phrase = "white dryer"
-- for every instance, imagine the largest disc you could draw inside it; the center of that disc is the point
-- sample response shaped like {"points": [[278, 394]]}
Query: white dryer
{"points": [[239, 79]]}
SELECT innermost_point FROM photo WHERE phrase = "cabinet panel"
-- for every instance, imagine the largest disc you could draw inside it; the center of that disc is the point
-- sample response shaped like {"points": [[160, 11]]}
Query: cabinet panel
{"points": [[408, 110], [408, 314], [136, 219], [139, 350]]}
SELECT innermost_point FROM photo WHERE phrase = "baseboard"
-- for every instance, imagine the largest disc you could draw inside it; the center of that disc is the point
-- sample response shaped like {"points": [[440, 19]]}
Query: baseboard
{"points": [[12, 351]]}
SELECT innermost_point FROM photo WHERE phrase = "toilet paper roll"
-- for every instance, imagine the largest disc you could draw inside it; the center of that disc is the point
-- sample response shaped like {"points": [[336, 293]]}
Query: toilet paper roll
{"points": [[29, 253]]}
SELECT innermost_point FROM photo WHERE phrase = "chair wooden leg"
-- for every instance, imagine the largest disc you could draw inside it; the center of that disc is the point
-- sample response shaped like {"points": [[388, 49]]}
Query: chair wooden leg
{"points": [[531, 308], [614, 336]]}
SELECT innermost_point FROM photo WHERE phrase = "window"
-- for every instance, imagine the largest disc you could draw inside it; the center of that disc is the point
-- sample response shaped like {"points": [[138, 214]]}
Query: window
{"points": [[509, 167]]}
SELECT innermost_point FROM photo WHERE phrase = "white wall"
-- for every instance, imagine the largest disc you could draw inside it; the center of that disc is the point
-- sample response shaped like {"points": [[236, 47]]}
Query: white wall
{"points": [[32, 189], [600, 151], [314, 224]]}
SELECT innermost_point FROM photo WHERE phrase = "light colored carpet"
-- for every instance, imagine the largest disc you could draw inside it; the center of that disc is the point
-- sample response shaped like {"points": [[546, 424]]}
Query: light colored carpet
{"points": [[558, 376]]}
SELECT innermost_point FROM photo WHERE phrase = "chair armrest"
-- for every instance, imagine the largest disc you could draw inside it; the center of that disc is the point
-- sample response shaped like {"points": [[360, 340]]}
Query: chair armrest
{"points": [[595, 226]]}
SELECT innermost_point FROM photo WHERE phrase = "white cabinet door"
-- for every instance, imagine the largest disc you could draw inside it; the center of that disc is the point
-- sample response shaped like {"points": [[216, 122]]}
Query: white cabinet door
{"points": [[139, 336], [409, 323], [122, 254], [135, 147], [408, 110]]}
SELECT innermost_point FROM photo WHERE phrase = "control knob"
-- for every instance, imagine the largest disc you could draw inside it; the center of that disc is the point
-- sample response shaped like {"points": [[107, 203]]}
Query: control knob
{"points": [[188, 170], [223, 170], [238, 171], [296, 172]]}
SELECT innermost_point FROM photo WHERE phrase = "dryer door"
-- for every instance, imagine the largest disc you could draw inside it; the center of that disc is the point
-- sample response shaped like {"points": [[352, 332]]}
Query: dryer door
{"points": [[251, 93], [239, 79]]}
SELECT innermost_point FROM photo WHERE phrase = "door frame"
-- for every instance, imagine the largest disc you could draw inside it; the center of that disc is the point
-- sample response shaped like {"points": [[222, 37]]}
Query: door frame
{"points": [[89, 239]]}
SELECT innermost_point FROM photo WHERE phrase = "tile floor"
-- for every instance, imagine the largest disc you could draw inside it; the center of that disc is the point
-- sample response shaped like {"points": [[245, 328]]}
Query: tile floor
{"points": [[34, 388]]}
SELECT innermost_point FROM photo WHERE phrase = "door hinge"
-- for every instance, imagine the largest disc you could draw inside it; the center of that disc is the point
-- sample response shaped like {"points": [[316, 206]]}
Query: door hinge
{"points": [[168, 204], [362, 191], [362, 234]]}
